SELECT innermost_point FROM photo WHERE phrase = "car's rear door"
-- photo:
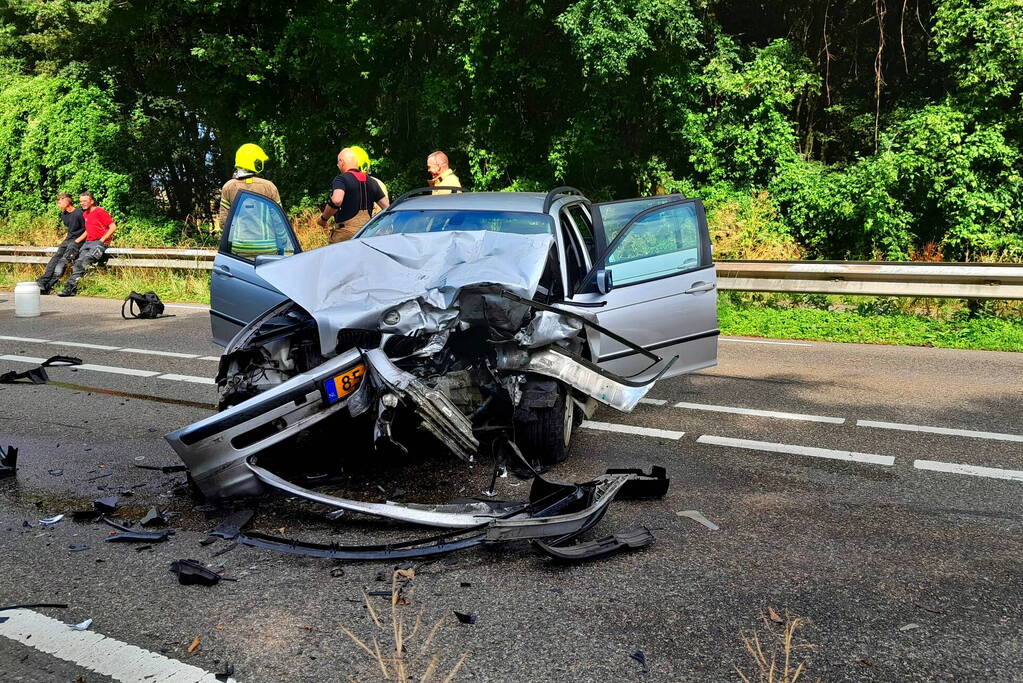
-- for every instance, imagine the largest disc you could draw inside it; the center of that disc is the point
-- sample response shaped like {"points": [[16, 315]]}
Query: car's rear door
{"points": [[256, 228], [664, 289]]}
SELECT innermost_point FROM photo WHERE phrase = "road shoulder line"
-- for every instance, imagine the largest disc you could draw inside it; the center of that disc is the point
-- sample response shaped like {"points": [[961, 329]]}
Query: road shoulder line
{"points": [[972, 470], [791, 449], [631, 429], [995, 436], [780, 415]]}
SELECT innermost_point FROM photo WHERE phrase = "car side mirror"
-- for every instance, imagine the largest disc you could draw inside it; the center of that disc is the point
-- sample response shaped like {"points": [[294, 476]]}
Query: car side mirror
{"points": [[605, 283]]}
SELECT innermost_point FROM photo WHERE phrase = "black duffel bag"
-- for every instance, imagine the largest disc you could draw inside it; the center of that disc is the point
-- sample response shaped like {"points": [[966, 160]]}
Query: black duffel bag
{"points": [[148, 304]]}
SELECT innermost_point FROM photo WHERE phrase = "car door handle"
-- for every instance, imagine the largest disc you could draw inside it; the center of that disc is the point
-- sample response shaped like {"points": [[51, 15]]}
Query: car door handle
{"points": [[222, 270], [700, 287]]}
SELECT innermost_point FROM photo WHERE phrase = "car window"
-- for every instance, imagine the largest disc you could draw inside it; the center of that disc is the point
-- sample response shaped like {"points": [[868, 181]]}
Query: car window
{"points": [[258, 226], [662, 243], [395, 222], [575, 263], [616, 215]]}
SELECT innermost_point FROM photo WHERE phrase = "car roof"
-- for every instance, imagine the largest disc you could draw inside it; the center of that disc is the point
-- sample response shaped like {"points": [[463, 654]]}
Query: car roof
{"points": [[531, 202]]}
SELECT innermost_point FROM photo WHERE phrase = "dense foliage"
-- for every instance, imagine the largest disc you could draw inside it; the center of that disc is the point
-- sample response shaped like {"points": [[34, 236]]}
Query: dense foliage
{"points": [[857, 129]]}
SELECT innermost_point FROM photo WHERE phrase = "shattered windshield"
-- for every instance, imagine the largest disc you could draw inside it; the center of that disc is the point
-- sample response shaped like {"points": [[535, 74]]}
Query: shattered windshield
{"points": [[396, 222]]}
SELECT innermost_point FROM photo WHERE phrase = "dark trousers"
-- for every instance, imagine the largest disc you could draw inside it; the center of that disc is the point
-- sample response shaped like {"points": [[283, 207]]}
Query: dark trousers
{"points": [[67, 252], [89, 256]]}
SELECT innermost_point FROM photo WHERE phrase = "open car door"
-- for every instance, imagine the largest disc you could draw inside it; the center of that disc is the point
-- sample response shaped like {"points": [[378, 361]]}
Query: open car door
{"points": [[257, 231], [655, 285]]}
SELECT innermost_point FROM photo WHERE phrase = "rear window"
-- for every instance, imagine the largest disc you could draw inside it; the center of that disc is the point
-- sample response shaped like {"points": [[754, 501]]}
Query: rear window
{"points": [[398, 222]]}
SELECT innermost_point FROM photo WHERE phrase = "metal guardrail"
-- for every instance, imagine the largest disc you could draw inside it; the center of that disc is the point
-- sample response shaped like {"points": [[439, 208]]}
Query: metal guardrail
{"points": [[947, 280]]}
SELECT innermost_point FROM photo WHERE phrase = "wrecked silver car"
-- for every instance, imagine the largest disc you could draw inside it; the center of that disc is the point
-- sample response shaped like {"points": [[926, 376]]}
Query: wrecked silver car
{"points": [[493, 322]]}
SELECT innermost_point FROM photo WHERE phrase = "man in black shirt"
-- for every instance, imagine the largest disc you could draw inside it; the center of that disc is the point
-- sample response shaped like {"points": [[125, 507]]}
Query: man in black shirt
{"points": [[67, 251], [352, 196]]}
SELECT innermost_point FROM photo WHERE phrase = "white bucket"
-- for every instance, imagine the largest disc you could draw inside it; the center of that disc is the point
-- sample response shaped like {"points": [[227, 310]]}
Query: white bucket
{"points": [[26, 300]]}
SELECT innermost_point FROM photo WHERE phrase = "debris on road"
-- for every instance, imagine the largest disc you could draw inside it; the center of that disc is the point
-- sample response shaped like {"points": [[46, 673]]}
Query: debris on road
{"points": [[35, 605], [696, 516], [61, 361], [631, 539], [154, 518], [8, 462], [641, 658], [166, 469], [84, 626], [226, 549], [909, 627], [467, 617], [51, 520], [194, 646], [127, 535], [77, 548], [774, 616], [191, 572], [229, 527], [227, 672], [35, 375], [108, 504]]}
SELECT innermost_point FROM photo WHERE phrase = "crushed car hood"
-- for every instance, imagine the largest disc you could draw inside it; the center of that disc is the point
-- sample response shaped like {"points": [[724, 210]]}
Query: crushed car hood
{"points": [[353, 284]]}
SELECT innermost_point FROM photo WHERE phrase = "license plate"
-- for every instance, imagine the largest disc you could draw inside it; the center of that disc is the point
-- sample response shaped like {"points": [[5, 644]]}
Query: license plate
{"points": [[339, 386]]}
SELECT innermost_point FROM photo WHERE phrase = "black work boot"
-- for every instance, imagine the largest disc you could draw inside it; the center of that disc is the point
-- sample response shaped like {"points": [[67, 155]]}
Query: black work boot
{"points": [[69, 291], [44, 287]]}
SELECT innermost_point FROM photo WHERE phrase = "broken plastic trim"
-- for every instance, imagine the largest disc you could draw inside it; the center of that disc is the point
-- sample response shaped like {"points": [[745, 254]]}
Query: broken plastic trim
{"points": [[444, 516], [631, 539], [339, 552], [606, 387]]}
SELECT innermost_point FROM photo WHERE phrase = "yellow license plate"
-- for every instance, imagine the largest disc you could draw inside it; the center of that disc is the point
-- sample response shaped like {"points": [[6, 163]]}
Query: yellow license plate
{"points": [[338, 387]]}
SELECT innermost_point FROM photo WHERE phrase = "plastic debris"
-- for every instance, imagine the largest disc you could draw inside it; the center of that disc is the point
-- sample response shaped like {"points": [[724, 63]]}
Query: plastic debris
{"points": [[60, 361], [127, 535], [909, 627], [154, 518], [696, 516], [55, 473], [229, 527], [77, 548], [226, 673], [8, 462], [51, 520], [84, 626], [194, 646], [166, 469], [108, 504], [34, 376], [191, 572], [226, 549], [641, 658], [466, 617]]}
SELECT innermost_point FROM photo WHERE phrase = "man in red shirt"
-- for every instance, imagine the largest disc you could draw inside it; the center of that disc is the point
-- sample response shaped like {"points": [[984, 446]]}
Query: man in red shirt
{"points": [[99, 230]]}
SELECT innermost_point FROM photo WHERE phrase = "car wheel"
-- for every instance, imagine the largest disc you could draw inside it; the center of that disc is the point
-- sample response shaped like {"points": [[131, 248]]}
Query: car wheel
{"points": [[545, 439]]}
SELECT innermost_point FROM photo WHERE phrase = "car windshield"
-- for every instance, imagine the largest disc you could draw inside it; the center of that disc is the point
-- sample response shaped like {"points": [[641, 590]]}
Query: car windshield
{"points": [[394, 222]]}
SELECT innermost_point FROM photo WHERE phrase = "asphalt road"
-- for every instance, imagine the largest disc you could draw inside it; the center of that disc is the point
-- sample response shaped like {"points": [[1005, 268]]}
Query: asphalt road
{"points": [[901, 570]]}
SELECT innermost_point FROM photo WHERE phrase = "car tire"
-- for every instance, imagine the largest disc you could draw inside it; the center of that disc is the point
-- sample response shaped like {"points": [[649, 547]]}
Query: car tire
{"points": [[545, 440]]}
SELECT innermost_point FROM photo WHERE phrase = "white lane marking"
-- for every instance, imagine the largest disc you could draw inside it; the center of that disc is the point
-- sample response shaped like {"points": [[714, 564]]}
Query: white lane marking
{"points": [[629, 429], [117, 371], [98, 347], [761, 413], [997, 436], [96, 652], [194, 308], [102, 347], [790, 449], [24, 339], [764, 341], [653, 401], [188, 378], [169, 354], [23, 359], [972, 470]]}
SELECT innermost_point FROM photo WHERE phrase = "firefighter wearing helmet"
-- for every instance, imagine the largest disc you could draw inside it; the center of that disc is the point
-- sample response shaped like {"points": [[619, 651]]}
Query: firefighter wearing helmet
{"points": [[248, 163]]}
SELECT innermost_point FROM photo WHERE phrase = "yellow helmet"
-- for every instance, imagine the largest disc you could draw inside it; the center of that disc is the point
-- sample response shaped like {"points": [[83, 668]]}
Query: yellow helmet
{"points": [[361, 157], [250, 157]]}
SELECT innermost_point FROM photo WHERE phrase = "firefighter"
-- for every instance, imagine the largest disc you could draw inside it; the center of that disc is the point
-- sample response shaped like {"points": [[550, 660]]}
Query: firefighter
{"points": [[248, 163], [352, 197]]}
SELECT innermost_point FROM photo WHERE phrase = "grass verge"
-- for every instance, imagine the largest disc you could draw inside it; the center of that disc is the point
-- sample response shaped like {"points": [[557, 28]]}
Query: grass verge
{"points": [[179, 286], [982, 332]]}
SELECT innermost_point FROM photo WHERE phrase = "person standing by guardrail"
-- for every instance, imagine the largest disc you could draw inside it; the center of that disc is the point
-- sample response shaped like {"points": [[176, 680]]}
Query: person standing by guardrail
{"points": [[441, 174], [99, 230], [249, 161], [67, 251], [352, 196]]}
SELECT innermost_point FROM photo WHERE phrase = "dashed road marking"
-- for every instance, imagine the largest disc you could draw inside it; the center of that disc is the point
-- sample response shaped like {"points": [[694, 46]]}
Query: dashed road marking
{"points": [[94, 651], [972, 470], [763, 341], [790, 449], [997, 436], [118, 371], [188, 378], [169, 354], [630, 429], [761, 413], [103, 347], [653, 401]]}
